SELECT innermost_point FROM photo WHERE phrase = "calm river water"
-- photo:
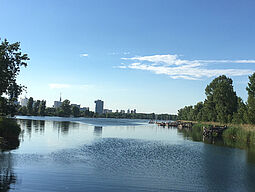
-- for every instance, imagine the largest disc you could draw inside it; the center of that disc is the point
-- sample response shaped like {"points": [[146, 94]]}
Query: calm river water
{"points": [[65, 154]]}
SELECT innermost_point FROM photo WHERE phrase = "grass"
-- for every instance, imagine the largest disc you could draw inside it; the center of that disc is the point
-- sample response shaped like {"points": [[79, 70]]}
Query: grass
{"points": [[237, 135]]}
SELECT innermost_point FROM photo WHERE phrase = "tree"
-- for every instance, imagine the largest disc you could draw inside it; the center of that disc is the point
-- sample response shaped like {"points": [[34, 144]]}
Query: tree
{"points": [[240, 117], [42, 108], [30, 106], [36, 107], [22, 110], [75, 111], [197, 111], [11, 59], [221, 98], [251, 99], [65, 109], [186, 113]]}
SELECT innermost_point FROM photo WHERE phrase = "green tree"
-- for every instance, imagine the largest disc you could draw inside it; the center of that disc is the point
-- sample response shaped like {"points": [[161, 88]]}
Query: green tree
{"points": [[75, 111], [36, 107], [251, 99], [240, 117], [22, 110], [11, 59], [221, 98], [65, 109], [197, 111], [30, 104], [42, 108]]}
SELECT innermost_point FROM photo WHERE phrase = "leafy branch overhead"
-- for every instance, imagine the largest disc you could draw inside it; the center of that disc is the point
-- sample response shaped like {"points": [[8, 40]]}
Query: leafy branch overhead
{"points": [[11, 60]]}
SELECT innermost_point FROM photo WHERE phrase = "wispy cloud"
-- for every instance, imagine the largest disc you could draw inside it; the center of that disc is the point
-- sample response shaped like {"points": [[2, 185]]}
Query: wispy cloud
{"points": [[177, 68], [66, 86], [84, 55], [119, 53]]}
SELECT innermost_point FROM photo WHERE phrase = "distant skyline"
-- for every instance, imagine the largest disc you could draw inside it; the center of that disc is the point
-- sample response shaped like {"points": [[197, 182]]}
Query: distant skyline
{"points": [[155, 56]]}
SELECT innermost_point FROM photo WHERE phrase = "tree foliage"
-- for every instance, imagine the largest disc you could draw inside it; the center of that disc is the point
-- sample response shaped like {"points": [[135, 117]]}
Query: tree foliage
{"points": [[11, 60], [220, 105], [30, 105], [251, 99]]}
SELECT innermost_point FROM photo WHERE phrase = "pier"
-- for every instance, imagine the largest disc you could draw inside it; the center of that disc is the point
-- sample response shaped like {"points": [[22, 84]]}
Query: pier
{"points": [[213, 130]]}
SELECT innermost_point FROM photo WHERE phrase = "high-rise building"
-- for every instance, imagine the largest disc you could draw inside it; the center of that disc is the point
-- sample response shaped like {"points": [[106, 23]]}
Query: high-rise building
{"points": [[23, 102], [99, 106]]}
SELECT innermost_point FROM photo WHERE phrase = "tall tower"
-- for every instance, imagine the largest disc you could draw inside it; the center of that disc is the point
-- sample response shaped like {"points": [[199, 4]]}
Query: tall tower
{"points": [[60, 99], [99, 106]]}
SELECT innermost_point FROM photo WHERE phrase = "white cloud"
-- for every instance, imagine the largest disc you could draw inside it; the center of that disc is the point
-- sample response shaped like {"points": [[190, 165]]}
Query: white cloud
{"points": [[177, 68], [84, 55]]}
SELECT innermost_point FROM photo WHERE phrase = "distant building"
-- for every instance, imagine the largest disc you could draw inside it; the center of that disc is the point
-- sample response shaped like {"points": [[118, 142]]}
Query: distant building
{"points": [[84, 109], [117, 111], [134, 110], [23, 102], [128, 111], [75, 105], [107, 111], [122, 111], [58, 104], [99, 106]]}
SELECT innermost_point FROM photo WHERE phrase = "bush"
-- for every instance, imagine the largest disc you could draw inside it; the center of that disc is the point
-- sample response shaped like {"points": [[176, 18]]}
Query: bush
{"points": [[9, 128]]}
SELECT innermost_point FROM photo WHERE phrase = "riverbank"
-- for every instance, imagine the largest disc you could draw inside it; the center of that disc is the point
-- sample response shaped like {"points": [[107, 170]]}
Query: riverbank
{"points": [[236, 135], [9, 133]]}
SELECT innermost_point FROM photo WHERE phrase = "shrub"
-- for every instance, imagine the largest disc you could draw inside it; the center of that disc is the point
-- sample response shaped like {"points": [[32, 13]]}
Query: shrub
{"points": [[9, 128]]}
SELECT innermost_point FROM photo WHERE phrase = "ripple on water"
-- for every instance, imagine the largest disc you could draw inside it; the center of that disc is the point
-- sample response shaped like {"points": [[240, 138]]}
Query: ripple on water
{"points": [[134, 165]]}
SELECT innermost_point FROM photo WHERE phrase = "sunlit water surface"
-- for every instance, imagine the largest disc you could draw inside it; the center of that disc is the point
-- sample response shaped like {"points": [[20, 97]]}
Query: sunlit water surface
{"points": [[65, 154]]}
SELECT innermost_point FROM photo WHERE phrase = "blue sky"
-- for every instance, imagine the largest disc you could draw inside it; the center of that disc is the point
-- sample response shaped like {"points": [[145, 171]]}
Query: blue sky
{"points": [[155, 56]]}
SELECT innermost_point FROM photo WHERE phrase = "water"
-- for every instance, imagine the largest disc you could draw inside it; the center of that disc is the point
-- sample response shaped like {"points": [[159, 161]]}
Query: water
{"points": [[65, 154]]}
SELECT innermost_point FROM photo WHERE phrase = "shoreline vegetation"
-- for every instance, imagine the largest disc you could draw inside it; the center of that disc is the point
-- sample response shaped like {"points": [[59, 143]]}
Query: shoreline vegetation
{"points": [[11, 60], [222, 107], [9, 133]]}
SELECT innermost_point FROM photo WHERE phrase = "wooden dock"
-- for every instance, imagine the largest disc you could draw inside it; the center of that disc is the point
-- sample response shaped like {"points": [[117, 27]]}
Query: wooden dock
{"points": [[213, 131]]}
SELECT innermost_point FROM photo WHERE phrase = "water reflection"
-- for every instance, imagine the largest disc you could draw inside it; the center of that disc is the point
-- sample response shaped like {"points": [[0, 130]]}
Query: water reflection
{"points": [[98, 131], [196, 134], [64, 126], [7, 176]]}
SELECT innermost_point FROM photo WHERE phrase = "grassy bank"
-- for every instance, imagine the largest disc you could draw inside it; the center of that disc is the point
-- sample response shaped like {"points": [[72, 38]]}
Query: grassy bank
{"points": [[241, 136]]}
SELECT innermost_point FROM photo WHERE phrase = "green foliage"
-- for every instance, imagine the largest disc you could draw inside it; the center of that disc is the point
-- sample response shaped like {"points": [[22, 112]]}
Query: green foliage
{"points": [[23, 110], [197, 111], [239, 136], [222, 95], [186, 113], [11, 59], [65, 109], [251, 99], [75, 111], [9, 128], [220, 103], [36, 105], [240, 117], [30, 106], [42, 108]]}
